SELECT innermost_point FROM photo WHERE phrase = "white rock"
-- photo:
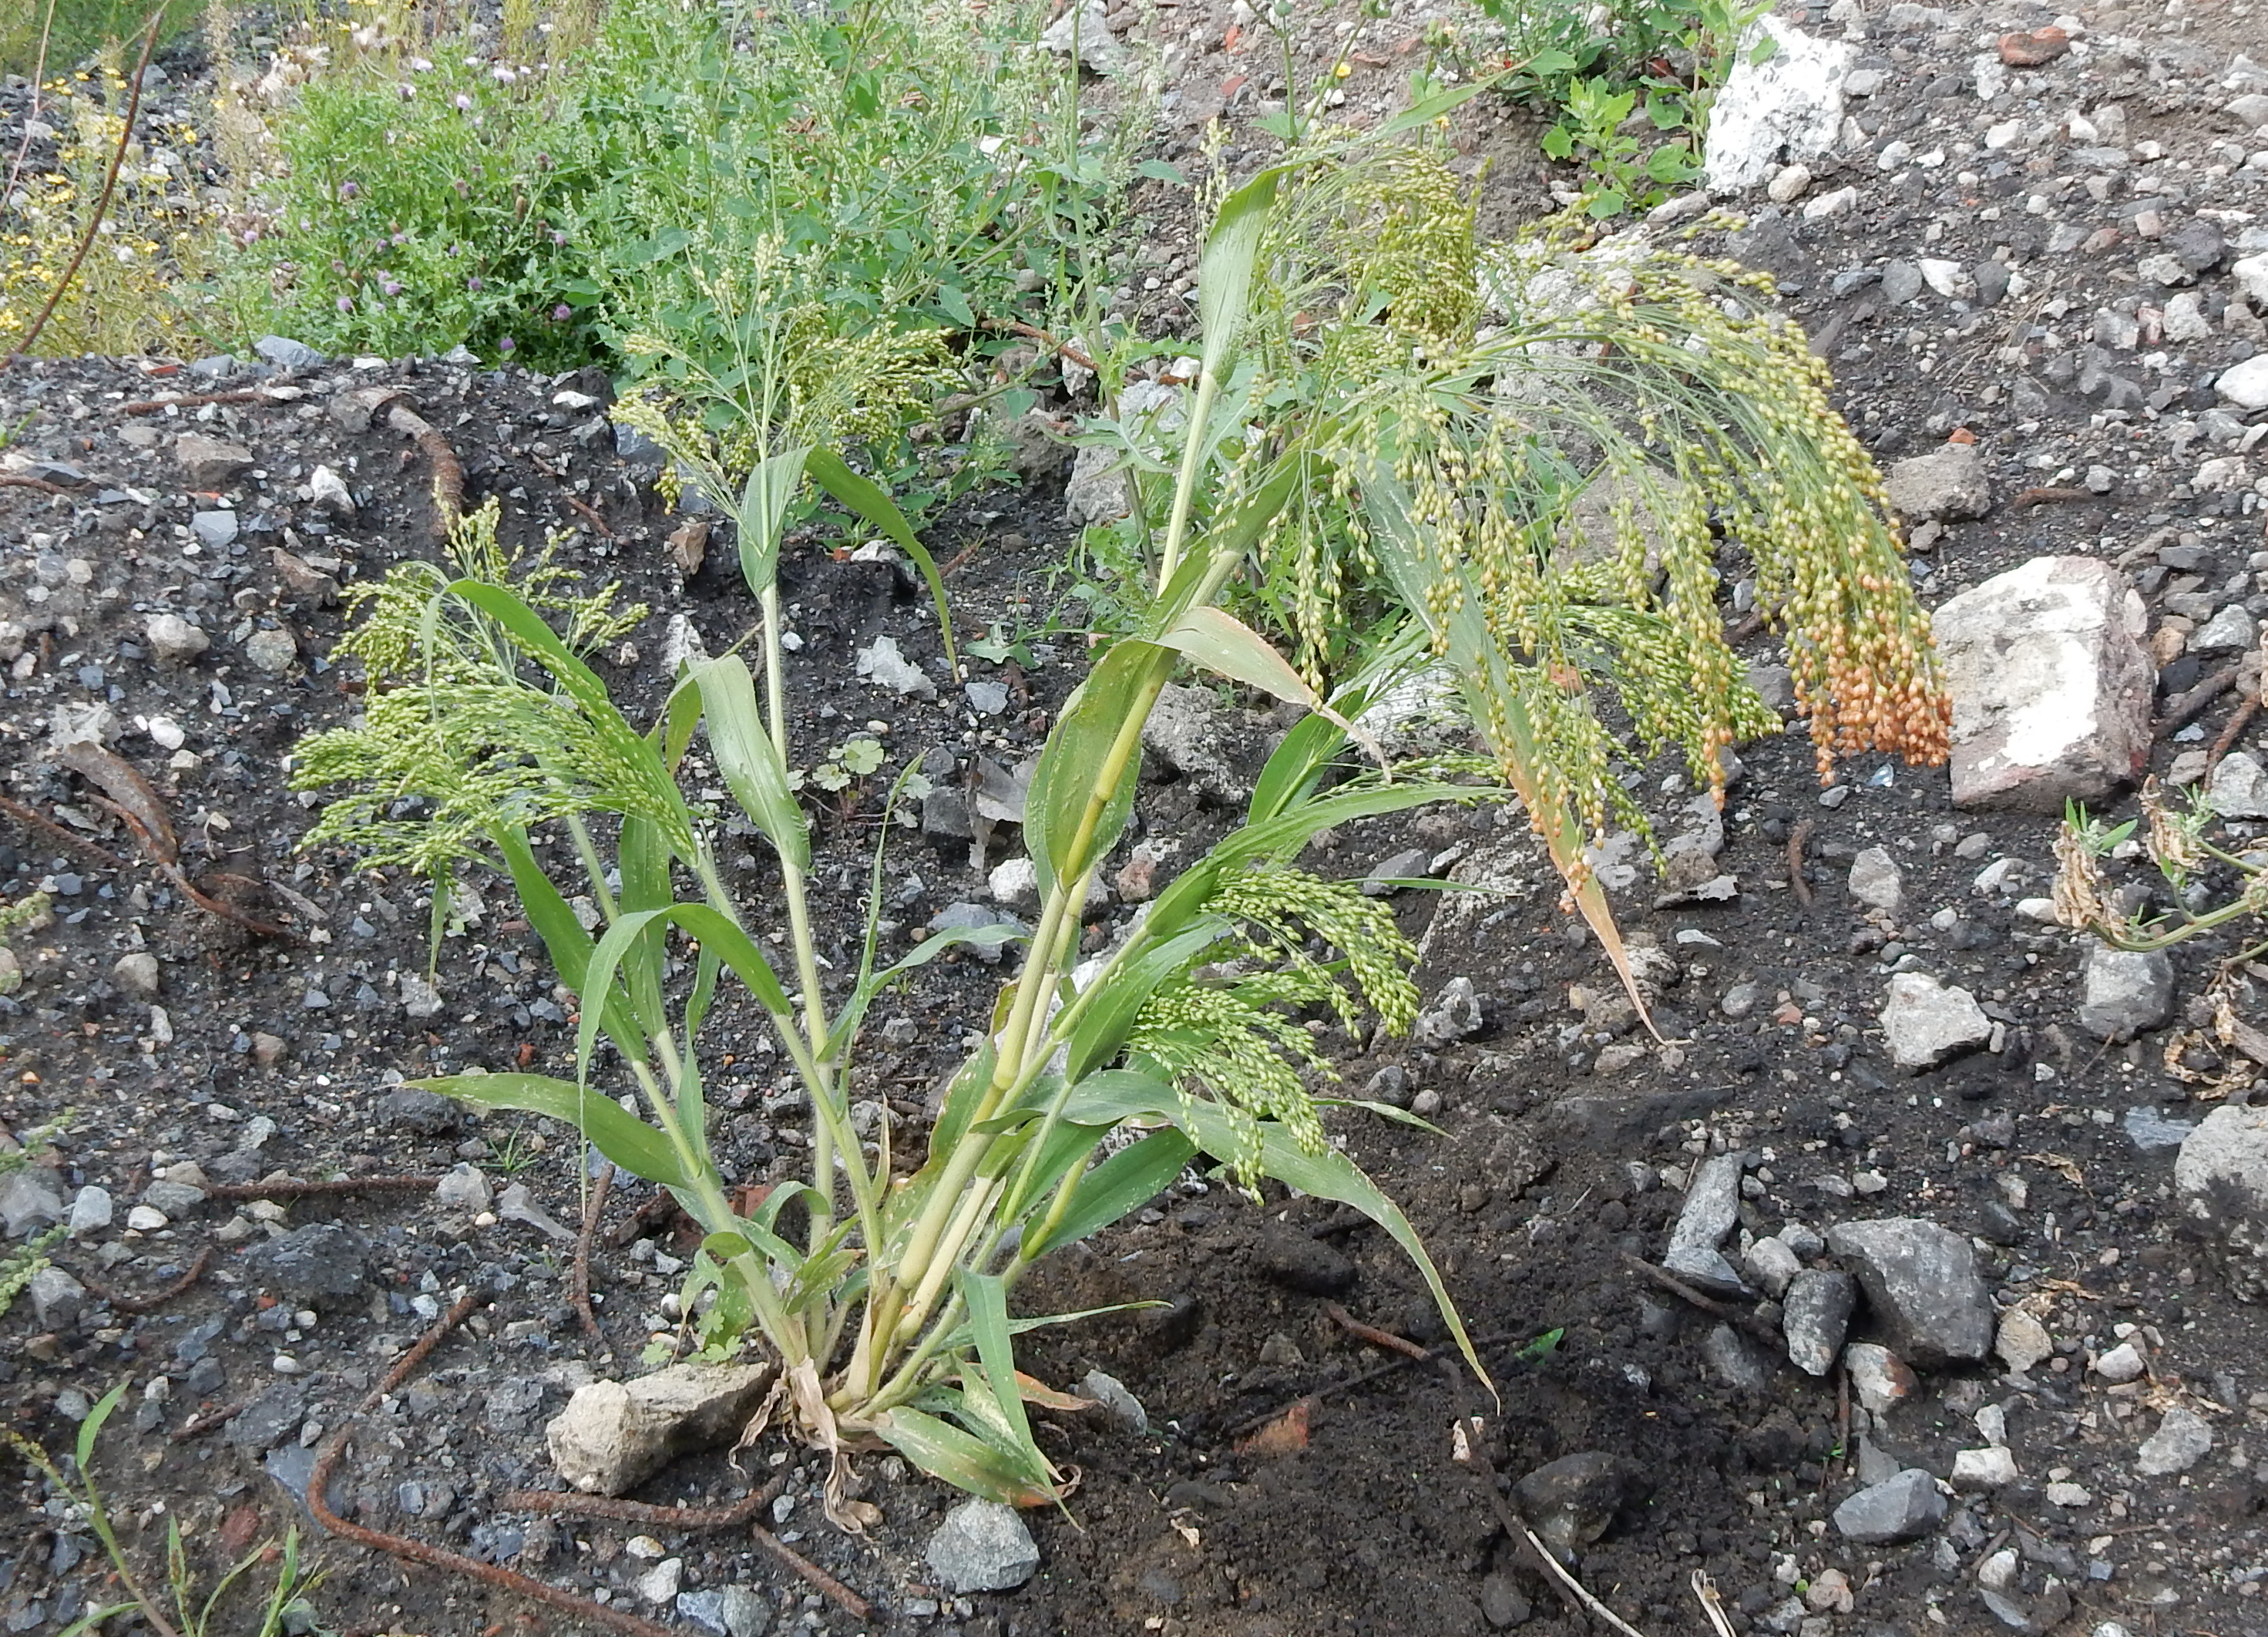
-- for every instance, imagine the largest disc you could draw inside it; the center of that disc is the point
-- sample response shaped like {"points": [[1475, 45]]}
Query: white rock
{"points": [[1949, 279], [2251, 275], [880, 663], [2245, 385], [2122, 1363], [1925, 1023], [1950, 483], [1839, 203], [2183, 1438], [328, 492], [614, 1435], [2185, 319], [1788, 185], [2238, 787], [146, 1219], [463, 1189], [91, 1210], [137, 973], [1993, 1468], [173, 639], [1085, 27], [1789, 106], [1015, 884], [2002, 134], [2023, 1341], [2051, 687], [273, 652], [1876, 880], [660, 1584]]}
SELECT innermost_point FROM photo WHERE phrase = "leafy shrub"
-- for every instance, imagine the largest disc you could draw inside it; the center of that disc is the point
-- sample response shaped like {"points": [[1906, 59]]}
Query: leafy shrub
{"points": [[1633, 81], [549, 195], [889, 1310]]}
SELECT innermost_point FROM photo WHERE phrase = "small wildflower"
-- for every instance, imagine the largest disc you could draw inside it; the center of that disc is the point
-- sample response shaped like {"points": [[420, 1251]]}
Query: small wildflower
{"points": [[405, 91], [462, 103], [505, 345], [473, 283], [560, 313], [1341, 69], [390, 286], [345, 304]]}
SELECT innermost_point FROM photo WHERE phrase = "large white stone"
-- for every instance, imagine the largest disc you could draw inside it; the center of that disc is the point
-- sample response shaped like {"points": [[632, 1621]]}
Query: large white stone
{"points": [[2245, 385], [2051, 685], [614, 1435], [1925, 1023], [1787, 106]]}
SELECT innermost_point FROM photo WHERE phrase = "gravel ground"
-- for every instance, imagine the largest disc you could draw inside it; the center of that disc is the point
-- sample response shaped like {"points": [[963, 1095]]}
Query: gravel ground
{"points": [[1914, 1134]]}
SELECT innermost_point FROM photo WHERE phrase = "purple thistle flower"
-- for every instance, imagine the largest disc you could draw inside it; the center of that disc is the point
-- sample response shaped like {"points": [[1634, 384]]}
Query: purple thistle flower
{"points": [[391, 286], [345, 304], [462, 103], [504, 345], [350, 190], [473, 283], [560, 313]]}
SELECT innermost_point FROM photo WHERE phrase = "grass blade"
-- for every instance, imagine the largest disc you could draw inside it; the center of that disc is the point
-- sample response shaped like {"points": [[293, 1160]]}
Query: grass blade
{"points": [[630, 1142], [748, 760], [871, 501], [1125, 1182]]}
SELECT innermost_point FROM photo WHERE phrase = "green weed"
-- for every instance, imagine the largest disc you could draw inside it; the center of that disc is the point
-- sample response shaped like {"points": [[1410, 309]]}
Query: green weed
{"points": [[284, 1610]]}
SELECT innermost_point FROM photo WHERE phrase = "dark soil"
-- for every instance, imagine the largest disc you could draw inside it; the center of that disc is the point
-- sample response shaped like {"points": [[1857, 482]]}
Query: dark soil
{"points": [[1567, 1130]]}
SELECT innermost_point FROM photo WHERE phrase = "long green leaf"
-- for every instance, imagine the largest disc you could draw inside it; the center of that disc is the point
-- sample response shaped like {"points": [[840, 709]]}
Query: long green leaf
{"points": [[89, 1430], [730, 944], [764, 498], [1224, 644], [986, 1295], [1076, 758], [1125, 987], [1232, 252], [1107, 1099], [871, 501], [750, 762], [961, 1459], [1127, 1181], [1294, 767], [566, 942], [628, 1141]]}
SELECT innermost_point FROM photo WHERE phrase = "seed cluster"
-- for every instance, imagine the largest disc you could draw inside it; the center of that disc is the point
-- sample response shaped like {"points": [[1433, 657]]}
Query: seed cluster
{"points": [[1586, 438]]}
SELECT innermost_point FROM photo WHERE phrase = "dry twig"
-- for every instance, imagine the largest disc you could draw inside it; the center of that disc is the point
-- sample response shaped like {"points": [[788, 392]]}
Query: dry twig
{"points": [[1711, 1604], [2181, 711], [195, 400], [1371, 1334], [816, 1577], [2246, 709], [746, 1510], [15, 480], [156, 1298], [1796, 840], [283, 1185], [1572, 1591], [102, 201], [1684, 1292]]}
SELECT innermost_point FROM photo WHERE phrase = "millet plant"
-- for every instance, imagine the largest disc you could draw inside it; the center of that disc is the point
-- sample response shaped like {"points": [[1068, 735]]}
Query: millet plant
{"points": [[1400, 433], [888, 1310]]}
